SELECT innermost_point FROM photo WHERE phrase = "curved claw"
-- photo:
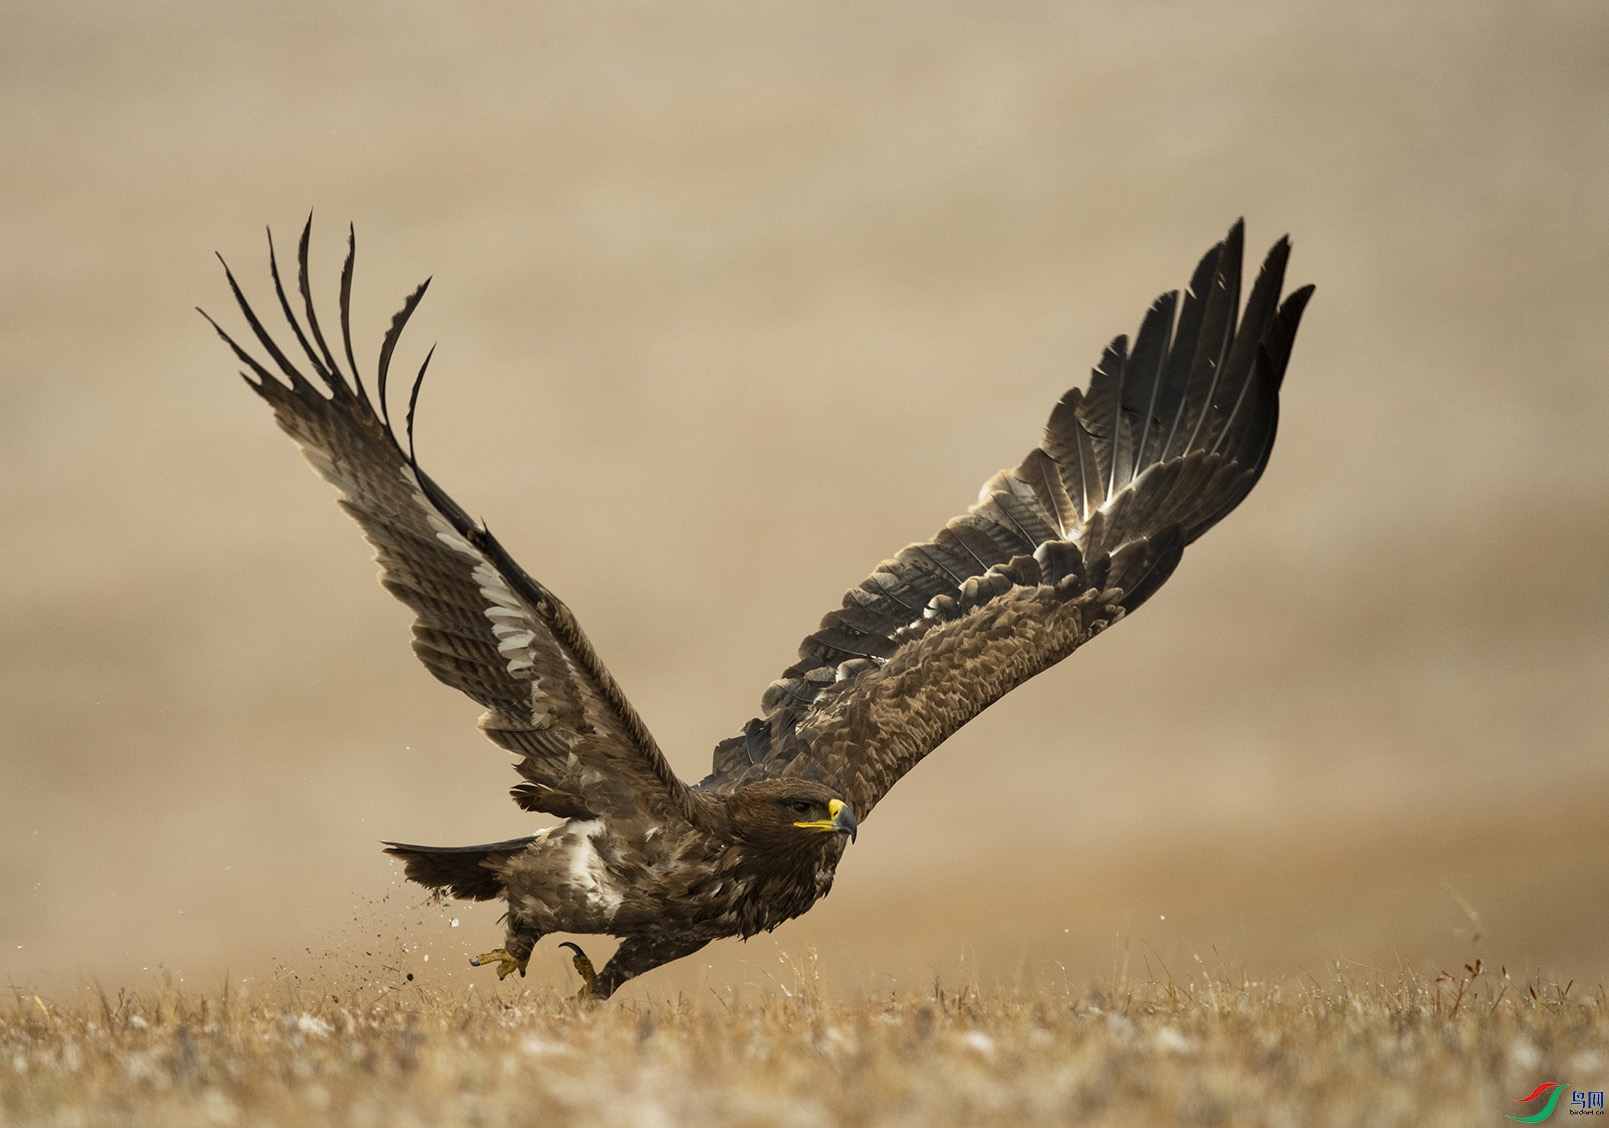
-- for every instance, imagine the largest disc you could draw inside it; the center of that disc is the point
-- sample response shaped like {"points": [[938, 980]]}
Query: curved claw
{"points": [[506, 964], [584, 968]]}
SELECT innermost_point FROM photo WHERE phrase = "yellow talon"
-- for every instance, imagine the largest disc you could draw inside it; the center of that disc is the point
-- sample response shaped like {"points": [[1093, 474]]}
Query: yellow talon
{"points": [[506, 964], [584, 967]]}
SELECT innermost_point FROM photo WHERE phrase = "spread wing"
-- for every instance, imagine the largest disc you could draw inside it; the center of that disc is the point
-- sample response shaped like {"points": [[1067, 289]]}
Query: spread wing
{"points": [[1168, 438], [483, 626]]}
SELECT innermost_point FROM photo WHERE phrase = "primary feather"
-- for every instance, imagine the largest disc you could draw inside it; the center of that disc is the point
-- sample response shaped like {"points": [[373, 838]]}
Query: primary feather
{"points": [[1169, 436]]}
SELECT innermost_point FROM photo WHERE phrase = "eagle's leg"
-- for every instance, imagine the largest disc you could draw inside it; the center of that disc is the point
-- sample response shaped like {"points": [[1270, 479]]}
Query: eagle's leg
{"points": [[638, 954], [584, 968], [513, 956]]}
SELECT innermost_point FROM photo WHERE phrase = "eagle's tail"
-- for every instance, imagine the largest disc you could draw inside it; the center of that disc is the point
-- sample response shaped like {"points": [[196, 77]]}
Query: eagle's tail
{"points": [[470, 873]]}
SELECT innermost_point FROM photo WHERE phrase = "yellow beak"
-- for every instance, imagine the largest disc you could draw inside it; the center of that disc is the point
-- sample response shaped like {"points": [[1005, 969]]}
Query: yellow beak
{"points": [[842, 820]]}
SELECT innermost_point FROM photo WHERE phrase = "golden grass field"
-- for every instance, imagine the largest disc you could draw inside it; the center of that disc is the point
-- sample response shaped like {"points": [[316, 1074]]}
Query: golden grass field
{"points": [[920, 1010], [1211, 1049]]}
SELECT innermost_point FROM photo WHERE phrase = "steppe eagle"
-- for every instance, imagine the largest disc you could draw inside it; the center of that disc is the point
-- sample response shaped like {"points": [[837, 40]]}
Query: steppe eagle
{"points": [[1171, 433]]}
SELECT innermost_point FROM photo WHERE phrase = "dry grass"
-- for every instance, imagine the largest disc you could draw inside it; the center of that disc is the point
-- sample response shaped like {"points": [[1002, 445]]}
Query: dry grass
{"points": [[1220, 1050]]}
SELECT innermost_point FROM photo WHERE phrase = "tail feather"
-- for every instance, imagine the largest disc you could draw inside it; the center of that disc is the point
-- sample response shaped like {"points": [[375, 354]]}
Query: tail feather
{"points": [[469, 873]]}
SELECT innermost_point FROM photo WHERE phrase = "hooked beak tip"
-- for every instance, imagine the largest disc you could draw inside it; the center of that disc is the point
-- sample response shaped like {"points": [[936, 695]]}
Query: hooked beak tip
{"points": [[843, 819]]}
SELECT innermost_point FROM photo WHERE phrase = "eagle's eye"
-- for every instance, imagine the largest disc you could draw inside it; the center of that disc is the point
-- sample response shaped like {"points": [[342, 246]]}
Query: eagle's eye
{"points": [[800, 806]]}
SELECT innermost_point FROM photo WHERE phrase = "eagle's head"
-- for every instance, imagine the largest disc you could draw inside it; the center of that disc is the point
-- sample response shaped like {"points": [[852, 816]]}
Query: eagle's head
{"points": [[787, 837], [791, 814]]}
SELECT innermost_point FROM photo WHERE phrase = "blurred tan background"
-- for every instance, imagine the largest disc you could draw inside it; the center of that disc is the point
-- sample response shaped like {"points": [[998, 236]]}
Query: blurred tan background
{"points": [[734, 300]]}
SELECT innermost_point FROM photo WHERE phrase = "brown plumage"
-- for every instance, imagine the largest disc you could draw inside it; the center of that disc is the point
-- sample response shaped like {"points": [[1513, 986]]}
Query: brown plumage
{"points": [[1166, 440]]}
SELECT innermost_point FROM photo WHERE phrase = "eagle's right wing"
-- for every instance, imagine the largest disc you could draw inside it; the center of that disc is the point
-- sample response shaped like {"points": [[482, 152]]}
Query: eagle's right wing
{"points": [[483, 626], [1167, 440]]}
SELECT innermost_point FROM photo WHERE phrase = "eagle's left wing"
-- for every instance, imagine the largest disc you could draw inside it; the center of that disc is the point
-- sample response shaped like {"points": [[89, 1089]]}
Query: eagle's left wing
{"points": [[483, 626], [1169, 437]]}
